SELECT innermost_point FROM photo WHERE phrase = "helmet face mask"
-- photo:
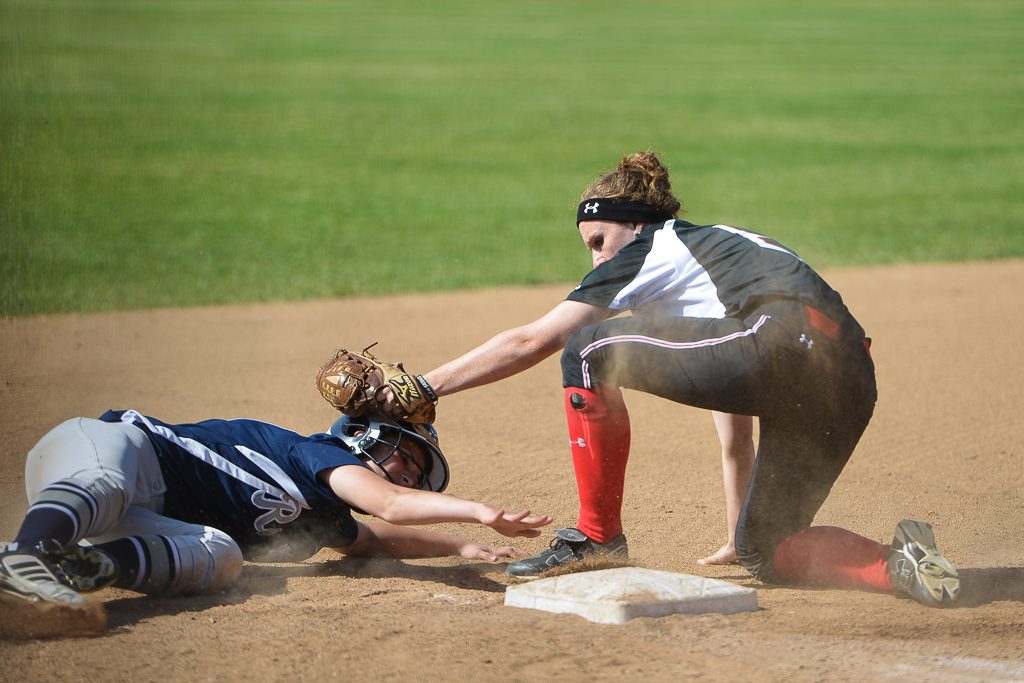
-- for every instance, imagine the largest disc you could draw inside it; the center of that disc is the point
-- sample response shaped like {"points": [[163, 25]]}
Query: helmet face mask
{"points": [[363, 434], [392, 439]]}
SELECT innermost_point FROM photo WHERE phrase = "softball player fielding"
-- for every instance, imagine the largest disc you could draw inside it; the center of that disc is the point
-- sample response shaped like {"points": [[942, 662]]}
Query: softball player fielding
{"points": [[724, 319]]}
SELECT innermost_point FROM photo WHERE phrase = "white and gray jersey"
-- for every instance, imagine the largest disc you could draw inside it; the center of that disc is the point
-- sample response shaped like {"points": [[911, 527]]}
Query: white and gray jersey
{"points": [[708, 271]]}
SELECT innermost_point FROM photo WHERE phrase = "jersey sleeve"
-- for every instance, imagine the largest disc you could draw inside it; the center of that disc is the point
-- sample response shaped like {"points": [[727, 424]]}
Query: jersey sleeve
{"points": [[322, 452], [604, 285]]}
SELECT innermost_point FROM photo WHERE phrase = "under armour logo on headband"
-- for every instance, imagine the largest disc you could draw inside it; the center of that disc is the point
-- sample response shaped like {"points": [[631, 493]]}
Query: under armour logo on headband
{"points": [[619, 210]]}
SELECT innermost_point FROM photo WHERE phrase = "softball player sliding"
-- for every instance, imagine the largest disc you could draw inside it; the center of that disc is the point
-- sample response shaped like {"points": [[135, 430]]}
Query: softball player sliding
{"points": [[723, 319], [174, 509]]}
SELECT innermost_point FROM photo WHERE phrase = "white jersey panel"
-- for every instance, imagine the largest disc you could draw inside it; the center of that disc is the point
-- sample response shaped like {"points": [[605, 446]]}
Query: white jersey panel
{"points": [[671, 282]]}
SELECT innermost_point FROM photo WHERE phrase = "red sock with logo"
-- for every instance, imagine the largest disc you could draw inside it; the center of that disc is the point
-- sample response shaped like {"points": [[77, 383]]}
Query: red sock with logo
{"points": [[831, 556], [599, 436]]}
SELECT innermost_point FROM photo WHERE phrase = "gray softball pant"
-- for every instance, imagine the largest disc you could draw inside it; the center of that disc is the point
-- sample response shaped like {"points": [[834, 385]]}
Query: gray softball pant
{"points": [[115, 464]]}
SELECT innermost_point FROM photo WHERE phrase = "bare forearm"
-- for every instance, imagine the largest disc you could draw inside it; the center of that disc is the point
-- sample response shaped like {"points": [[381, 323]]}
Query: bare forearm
{"points": [[515, 350], [506, 354], [385, 540], [419, 507]]}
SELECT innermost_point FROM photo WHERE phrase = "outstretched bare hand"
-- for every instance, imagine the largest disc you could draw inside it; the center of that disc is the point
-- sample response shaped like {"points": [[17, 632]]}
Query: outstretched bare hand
{"points": [[489, 553], [520, 524]]}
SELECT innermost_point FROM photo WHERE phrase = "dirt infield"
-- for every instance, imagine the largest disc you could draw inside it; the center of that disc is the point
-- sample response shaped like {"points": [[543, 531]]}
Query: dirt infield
{"points": [[946, 445]]}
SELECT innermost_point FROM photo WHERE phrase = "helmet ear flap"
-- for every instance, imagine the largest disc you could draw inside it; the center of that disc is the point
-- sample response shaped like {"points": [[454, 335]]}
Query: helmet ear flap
{"points": [[357, 433], [352, 426]]}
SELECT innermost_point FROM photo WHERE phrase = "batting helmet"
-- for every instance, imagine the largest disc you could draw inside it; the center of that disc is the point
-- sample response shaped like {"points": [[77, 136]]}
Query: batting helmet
{"points": [[361, 434]]}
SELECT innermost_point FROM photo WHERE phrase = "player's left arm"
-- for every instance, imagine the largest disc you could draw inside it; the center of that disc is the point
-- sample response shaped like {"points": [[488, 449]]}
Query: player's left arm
{"points": [[361, 488], [388, 540]]}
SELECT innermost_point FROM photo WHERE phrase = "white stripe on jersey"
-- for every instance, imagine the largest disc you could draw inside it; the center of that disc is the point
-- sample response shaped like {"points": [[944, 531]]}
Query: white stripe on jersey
{"points": [[275, 471], [213, 458], [759, 240]]}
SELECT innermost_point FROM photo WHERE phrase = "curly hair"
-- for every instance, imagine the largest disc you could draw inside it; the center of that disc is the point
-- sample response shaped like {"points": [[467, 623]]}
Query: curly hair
{"points": [[640, 178]]}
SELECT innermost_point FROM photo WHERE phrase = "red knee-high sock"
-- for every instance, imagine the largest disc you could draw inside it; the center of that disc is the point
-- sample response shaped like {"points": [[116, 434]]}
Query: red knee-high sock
{"points": [[599, 436], [830, 556]]}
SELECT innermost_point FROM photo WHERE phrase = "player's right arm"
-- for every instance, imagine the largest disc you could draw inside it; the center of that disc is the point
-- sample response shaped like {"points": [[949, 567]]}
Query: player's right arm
{"points": [[386, 540], [517, 349]]}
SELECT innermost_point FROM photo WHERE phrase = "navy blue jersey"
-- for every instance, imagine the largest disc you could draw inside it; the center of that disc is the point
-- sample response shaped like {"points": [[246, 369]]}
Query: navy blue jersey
{"points": [[255, 481], [705, 271]]}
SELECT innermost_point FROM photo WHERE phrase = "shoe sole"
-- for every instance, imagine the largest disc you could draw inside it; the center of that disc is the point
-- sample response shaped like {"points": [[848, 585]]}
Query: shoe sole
{"points": [[921, 571], [88, 569]]}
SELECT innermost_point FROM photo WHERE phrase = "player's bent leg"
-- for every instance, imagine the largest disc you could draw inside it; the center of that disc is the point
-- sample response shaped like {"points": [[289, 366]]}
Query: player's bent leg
{"points": [[80, 479], [209, 563], [799, 458], [162, 556], [831, 556]]}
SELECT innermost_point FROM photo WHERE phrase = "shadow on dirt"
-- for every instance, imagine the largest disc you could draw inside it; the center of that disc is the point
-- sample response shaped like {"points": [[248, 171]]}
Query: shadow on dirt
{"points": [[978, 586], [475, 576], [995, 584], [272, 579], [130, 608]]}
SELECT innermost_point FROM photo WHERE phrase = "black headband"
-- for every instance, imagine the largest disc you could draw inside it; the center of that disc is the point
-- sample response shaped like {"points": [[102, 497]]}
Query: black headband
{"points": [[619, 211]]}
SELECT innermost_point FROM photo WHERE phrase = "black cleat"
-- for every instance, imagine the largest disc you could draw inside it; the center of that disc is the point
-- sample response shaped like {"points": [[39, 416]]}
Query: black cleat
{"points": [[569, 545]]}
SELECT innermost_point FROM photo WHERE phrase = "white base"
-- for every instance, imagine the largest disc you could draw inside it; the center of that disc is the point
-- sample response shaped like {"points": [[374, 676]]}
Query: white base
{"points": [[614, 596]]}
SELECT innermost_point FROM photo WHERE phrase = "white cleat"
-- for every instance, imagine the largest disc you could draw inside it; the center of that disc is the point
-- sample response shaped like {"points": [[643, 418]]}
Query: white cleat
{"points": [[27, 574], [916, 568]]}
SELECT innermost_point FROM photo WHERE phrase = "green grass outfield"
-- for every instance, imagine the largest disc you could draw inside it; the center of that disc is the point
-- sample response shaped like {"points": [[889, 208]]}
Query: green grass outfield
{"points": [[212, 151]]}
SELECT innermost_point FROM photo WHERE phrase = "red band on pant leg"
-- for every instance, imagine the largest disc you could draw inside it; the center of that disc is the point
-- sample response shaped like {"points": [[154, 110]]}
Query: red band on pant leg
{"points": [[599, 436], [830, 556]]}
